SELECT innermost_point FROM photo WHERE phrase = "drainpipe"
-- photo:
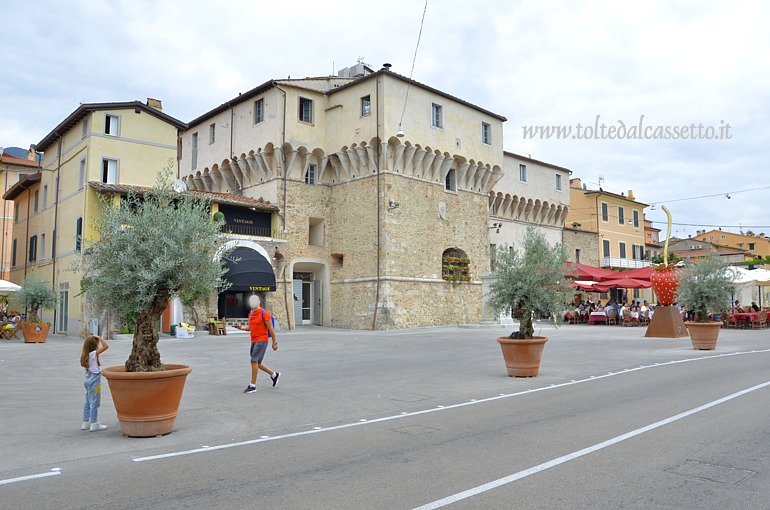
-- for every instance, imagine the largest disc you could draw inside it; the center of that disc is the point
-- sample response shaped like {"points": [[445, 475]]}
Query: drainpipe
{"points": [[5, 222], [289, 316], [54, 244], [379, 233]]}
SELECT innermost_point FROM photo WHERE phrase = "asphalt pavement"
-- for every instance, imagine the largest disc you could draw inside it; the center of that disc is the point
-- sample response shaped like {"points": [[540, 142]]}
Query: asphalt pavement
{"points": [[331, 379]]}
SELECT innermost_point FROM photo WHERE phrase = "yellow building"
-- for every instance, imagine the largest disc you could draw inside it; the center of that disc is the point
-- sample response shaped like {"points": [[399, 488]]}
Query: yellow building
{"points": [[12, 170], [755, 245], [111, 143], [617, 219]]}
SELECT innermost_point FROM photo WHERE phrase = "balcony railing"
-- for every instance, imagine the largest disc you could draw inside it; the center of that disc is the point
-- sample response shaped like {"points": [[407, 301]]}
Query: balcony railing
{"points": [[245, 230], [624, 263]]}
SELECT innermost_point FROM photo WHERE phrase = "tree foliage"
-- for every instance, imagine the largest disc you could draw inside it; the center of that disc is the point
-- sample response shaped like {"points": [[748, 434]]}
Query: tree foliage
{"points": [[705, 287], [152, 247], [530, 279], [34, 295]]}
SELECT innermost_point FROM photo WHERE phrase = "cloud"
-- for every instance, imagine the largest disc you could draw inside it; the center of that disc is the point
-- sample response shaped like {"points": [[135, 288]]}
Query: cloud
{"points": [[537, 63]]}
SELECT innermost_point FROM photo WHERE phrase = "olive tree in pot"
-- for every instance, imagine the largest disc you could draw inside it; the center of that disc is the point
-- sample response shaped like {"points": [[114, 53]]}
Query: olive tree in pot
{"points": [[528, 280], [705, 287], [153, 245], [34, 295]]}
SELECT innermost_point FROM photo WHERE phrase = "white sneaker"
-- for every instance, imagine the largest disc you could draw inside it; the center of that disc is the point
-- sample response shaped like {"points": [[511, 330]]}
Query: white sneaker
{"points": [[97, 426], [86, 425]]}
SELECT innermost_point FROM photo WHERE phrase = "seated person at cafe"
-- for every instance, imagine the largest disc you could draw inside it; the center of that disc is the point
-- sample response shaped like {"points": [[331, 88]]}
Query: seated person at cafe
{"points": [[754, 307], [13, 321], [738, 307]]}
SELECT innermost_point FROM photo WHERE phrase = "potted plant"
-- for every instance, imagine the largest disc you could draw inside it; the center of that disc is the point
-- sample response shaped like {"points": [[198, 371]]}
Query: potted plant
{"points": [[34, 295], [151, 247], [705, 287], [529, 279]]}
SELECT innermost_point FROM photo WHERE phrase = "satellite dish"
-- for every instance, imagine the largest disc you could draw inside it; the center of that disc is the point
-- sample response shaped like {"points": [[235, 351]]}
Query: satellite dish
{"points": [[179, 186]]}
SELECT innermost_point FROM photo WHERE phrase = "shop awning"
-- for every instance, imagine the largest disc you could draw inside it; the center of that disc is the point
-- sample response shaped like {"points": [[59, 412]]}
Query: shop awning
{"points": [[249, 271]]}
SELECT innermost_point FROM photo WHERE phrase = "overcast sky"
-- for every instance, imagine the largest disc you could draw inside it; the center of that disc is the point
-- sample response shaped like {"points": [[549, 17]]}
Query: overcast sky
{"points": [[666, 64]]}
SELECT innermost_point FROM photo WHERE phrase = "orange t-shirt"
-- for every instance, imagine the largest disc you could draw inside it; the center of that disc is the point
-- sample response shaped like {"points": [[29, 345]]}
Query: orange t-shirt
{"points": [[257, 326]]}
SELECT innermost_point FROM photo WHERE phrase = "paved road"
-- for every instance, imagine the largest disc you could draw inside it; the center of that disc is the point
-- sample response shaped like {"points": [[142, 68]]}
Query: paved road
{"points": [[407, 419]]}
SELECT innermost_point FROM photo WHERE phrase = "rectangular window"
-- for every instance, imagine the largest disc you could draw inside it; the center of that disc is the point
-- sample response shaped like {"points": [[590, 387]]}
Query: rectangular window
{"points": [[606, 247], [486, 133], [78, 234], [636, 251], [366, 106], [212, 133], [13, 253], [751, 246], [84, 131], [45, 196], [42, 246], [558, 182], [577, 255], [605, 212], [305, 110], [523, 173], [111, 125], [33, 248], [310, 175], [621, 215], [622, 247], [37, 201], [636, 219], [82, 176], [437, 115], [259, 110], [15, 213], [450, 183], [194, 158], [109, 171]]}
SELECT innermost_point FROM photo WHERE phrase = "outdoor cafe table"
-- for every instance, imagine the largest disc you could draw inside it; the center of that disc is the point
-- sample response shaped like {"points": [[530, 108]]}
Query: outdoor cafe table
{"points": [[747, 316], [597, 317]]}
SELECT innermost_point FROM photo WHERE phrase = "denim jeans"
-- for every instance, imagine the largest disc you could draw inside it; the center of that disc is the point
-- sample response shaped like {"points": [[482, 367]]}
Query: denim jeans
{"points": [[93, 386]]}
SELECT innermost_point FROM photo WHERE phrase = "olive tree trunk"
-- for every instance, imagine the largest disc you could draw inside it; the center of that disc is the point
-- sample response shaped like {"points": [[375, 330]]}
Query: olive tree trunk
{"points": [[145, 356]]}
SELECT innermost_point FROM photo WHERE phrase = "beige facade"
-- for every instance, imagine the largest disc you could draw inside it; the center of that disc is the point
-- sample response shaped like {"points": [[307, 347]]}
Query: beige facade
{"points": [[369, 220], [530, 193], [113, 143]]}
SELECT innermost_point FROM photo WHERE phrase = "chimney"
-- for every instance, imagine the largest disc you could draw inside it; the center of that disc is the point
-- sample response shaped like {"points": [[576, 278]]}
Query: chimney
{"points": [[575, 183], [31, 153], [631, 195], [155, 103]]}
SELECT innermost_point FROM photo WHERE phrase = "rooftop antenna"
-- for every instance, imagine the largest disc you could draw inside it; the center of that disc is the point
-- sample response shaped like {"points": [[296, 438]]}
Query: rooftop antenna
{"points": [[601, 179], [400, 133]]}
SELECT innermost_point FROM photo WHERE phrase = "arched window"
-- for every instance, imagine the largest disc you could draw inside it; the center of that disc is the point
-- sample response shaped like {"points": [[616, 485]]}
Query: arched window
{"points": [[455, 265]]}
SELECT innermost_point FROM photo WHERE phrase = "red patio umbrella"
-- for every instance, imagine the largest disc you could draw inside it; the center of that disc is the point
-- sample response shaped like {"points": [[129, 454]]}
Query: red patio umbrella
{"points": [[640, 273], [579, 271], [625, 282]]}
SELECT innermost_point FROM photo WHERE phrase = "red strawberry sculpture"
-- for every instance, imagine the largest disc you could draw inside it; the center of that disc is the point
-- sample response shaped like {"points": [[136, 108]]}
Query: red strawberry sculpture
{"points": [[664, 283]]}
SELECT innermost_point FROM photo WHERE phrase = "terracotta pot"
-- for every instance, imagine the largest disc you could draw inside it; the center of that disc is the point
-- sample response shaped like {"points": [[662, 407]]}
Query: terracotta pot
{"points": [[522, 357], [147, 402], [34, 332], [703, 335]]}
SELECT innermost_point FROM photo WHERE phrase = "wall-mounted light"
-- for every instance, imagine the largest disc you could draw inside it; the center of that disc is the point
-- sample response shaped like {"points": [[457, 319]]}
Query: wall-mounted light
{"points": [[727, 195], [392, 204], [576, 225], [400, 133], [496, 226]]}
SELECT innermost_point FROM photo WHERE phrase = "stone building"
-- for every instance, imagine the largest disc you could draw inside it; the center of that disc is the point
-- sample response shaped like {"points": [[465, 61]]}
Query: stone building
{"points": [[383, 185]]}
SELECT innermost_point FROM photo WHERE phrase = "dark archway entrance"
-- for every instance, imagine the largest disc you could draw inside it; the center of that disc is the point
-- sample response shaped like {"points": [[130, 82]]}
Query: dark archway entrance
{"points": [[249, 273]]}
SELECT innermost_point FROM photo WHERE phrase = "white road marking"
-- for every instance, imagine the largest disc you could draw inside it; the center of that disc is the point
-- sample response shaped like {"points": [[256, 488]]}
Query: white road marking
{"points": [[580, 453], [317, 430], [53, 472]]}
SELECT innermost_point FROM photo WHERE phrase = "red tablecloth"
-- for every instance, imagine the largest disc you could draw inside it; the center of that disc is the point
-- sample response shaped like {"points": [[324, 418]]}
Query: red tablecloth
{"points": [[750, 316], [597, 317]]}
